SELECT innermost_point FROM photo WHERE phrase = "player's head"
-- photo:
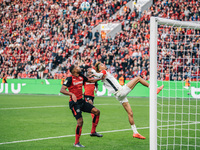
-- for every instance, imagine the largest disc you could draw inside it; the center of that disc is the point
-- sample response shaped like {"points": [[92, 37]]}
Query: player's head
{"points": [[100, 66], [74, 69]]}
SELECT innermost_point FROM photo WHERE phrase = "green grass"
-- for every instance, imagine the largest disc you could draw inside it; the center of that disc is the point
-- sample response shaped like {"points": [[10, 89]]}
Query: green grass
{"points": [[34, 123]]}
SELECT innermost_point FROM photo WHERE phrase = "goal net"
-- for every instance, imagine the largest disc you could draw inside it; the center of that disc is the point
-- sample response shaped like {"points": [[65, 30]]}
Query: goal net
{"points": [[174, 63]]}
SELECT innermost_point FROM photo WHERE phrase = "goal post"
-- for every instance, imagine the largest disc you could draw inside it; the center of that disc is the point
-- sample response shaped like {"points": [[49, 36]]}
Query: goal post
{"points": [[174, 106], [153, 83]]}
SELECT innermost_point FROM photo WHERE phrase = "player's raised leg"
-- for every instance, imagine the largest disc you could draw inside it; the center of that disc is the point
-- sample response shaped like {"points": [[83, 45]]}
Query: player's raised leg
{"points": [[128, 109], [131, 84], [137, 80], [95, 122]]}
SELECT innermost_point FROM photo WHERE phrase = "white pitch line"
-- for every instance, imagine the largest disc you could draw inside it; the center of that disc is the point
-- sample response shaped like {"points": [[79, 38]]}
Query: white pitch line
{"points": [[33, 107], [56, 106], [57, 137]]}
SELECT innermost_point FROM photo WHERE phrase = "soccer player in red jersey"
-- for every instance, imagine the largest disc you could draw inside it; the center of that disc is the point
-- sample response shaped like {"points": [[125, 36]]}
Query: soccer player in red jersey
{"points": [[89, 97], [74, 85], [90, 88]]}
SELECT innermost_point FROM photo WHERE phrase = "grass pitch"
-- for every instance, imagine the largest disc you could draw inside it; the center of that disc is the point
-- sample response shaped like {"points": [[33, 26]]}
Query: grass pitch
{"points": [[46, 122], [40, 122]]}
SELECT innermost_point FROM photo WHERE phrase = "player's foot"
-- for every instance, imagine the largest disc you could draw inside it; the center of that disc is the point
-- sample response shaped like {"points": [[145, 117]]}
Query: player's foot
{"points": [[159, 89], [78, 145], [96, 134], [137, 135]]}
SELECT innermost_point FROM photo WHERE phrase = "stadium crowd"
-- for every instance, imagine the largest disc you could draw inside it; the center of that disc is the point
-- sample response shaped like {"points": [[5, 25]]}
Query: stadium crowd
{"points": [[36, 37], [128, 53]]}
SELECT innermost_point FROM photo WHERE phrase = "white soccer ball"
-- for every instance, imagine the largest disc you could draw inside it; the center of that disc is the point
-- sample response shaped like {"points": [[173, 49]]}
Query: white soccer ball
{"points": [[85, 6]]}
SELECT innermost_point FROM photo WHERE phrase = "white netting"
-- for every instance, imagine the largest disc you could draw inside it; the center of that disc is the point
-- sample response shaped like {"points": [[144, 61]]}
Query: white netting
{"points": [[178, 104]]}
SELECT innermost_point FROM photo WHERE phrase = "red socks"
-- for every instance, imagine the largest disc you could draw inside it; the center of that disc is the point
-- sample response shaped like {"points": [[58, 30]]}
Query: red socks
{"points": [[94, 122], [79, 128], [78, 133]]}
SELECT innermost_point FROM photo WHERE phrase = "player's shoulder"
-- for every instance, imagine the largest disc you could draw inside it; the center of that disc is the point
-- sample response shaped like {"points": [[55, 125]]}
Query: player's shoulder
{"points": [[68, 81], [104, 72], [69, 77]]}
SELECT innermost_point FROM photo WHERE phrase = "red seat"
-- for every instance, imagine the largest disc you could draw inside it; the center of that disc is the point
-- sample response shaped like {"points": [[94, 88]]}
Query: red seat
{"points": [[46, 71], [56, 76]]}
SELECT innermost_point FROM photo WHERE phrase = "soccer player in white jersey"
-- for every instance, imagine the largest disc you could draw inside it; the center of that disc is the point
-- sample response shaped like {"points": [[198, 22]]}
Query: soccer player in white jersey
{"points": [[121, 92]]}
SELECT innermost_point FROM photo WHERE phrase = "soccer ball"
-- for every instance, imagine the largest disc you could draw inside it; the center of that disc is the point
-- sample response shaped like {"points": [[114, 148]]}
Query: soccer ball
{"points": [[85, 6]]}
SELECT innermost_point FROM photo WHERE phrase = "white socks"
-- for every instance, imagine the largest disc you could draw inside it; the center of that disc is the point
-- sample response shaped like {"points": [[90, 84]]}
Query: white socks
{"points": [[134, 129]]}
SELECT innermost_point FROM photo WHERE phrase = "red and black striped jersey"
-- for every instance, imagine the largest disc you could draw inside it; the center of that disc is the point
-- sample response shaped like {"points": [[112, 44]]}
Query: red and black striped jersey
{"points": [[89, 88], [75, 84]]}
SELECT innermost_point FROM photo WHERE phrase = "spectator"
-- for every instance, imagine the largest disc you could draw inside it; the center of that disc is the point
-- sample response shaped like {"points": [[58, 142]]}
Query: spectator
{"points": [[89, 36], [41, 70], [96, 34]]}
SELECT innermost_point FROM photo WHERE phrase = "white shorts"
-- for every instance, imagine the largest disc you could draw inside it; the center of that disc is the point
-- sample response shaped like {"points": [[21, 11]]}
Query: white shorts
{"points": [[122, 93]]}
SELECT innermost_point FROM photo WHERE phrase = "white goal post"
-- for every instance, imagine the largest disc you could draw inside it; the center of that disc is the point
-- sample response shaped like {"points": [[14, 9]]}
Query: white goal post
{"points": [[154, 23]]}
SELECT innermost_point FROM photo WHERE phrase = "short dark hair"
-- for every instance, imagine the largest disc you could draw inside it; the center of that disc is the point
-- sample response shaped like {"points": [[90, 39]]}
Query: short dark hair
{"points": [[71, 68], [97, 66]]}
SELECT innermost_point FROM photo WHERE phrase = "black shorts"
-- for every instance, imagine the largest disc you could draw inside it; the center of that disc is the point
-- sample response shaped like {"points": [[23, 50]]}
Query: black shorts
{"points": [[87, 98], [80, 106]]}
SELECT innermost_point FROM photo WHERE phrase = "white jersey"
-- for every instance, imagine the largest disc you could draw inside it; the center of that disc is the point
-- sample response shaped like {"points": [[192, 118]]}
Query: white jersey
{"points": [[109, 81], [113, 86]]}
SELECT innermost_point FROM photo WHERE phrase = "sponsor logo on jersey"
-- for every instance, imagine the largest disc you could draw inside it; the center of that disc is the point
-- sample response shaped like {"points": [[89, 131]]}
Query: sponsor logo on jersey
{"points": [[78, 110], [76, 83], [89, 83]]}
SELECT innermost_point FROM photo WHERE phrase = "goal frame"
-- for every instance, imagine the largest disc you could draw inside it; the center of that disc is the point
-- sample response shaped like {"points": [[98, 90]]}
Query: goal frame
{"points": [[154, 22]]}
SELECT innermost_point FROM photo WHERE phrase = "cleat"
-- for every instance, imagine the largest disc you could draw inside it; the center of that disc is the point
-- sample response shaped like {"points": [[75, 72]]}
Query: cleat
{"points": [[96, 134], [137, 135], [159, 89], [78, 145]]}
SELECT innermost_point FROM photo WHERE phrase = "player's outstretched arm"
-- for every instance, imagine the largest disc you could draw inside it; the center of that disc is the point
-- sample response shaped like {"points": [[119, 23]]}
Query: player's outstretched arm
{"points": [[63, 91], [93, 80], [99, 75]]}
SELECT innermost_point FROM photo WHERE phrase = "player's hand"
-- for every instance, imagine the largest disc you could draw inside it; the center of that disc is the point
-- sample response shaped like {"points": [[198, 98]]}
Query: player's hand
{"points": [[103, 76], [96, 91], [74, 98], [91, 75], [89, 69]]}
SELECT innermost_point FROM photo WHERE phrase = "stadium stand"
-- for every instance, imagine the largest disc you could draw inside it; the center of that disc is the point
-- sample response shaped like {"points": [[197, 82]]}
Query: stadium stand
{"points": [[130, 48], [41, 36], [37, 36]]}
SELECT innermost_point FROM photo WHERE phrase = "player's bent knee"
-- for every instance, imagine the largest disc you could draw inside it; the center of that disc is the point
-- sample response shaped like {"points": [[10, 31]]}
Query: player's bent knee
{"points": [[138, 78], [80, 122], [98, 112], [95, 111]]}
